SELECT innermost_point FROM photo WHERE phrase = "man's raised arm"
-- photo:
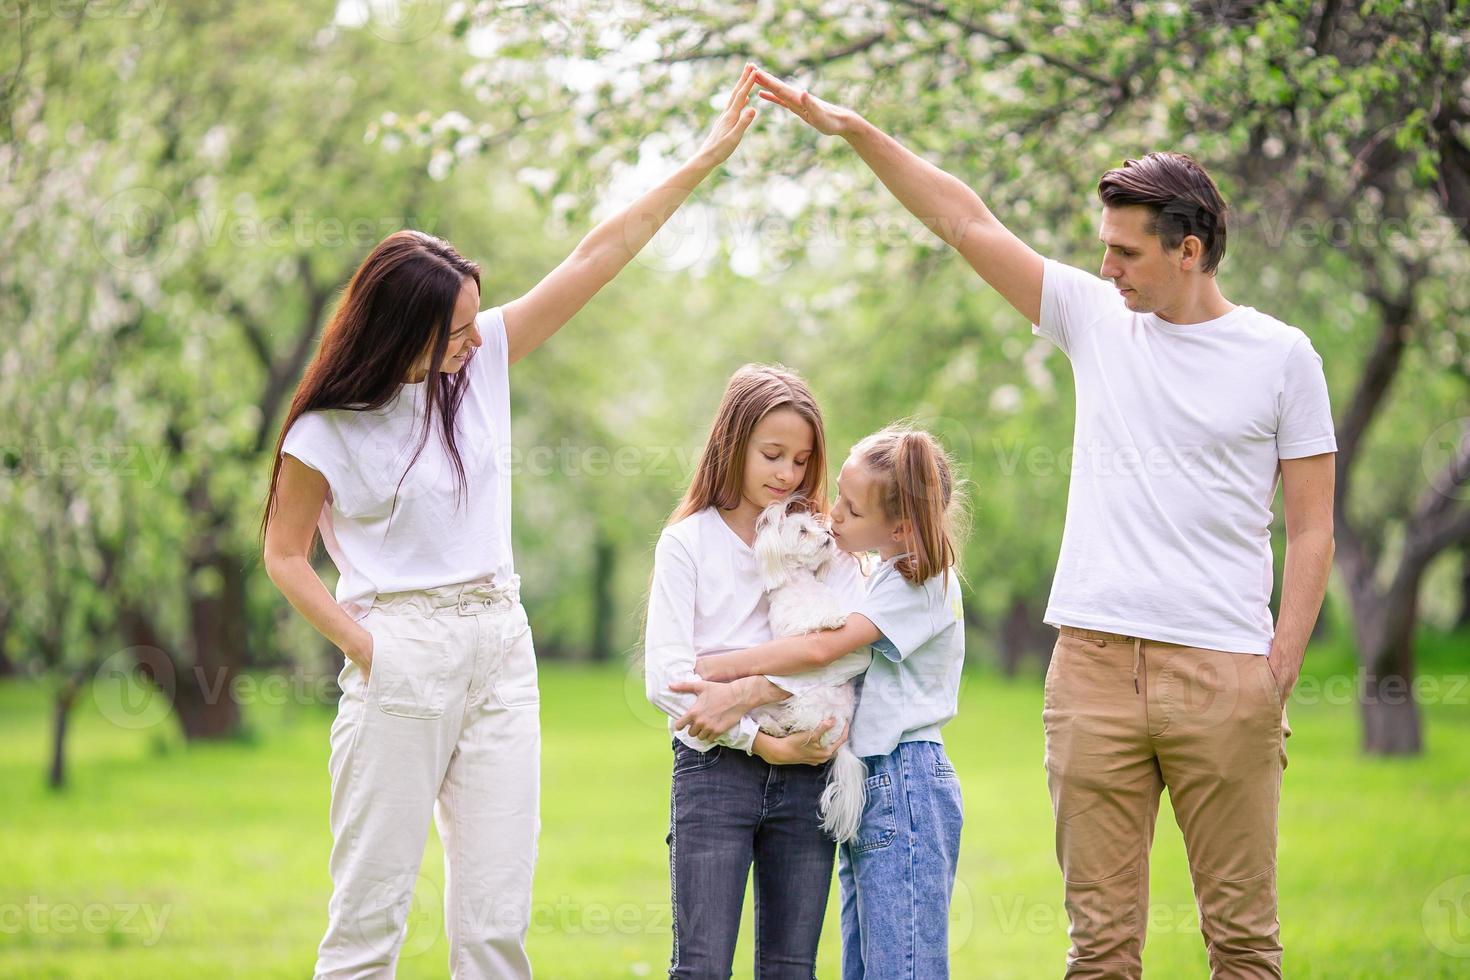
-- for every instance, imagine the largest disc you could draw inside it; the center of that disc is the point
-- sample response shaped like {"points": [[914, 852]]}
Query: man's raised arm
{"points": [[946, 205]]}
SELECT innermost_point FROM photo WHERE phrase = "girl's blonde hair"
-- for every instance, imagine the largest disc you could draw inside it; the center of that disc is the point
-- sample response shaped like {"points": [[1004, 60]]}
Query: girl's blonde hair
{"points": [[915, 479], [753, 392]]}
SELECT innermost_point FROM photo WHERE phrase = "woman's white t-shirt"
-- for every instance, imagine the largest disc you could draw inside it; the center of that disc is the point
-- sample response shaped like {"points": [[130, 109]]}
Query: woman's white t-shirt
{"points": [[433, 538]]}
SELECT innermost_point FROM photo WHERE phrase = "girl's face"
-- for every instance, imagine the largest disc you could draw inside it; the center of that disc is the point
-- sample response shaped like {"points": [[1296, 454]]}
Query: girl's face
{"points": [[776, 459], [464, 336], [858, 522]]}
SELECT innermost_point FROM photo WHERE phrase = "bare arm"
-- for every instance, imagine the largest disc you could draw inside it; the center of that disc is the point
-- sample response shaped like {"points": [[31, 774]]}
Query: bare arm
{"points": [[718, 707], [608, 248], [943, 202], [300, 493], [1307, 486], [791, 654]]}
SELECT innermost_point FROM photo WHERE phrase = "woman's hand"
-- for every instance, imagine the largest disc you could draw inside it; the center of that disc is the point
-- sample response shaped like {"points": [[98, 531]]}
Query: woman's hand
{"points": [[717, 708], [824, 117], [731, 124], [799, 748], [360, 652]]}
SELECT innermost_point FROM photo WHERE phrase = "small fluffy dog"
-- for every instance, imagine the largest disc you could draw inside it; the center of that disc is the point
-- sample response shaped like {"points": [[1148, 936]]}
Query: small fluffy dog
{"points": [[792, 549]]}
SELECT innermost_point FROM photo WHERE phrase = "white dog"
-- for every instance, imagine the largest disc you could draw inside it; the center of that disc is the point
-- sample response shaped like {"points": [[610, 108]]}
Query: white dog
{"points": [[792, 549]]}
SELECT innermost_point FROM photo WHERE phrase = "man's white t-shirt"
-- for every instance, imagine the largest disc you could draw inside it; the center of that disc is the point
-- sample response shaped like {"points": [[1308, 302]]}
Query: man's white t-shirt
{"points": [[433, 539], [707, 597], [1176, 455]]}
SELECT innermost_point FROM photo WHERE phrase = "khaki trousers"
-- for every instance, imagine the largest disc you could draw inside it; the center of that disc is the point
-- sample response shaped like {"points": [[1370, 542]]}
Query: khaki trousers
{"points": [[1126, 717]]}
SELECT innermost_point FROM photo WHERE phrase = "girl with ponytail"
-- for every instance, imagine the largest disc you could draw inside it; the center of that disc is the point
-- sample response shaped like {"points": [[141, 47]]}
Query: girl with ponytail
{"points": [[896, 496]]}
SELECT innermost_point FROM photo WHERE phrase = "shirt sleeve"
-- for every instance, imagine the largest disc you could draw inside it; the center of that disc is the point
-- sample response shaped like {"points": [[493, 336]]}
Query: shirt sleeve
{"points": [[1305, 428], [494, 342], [1071, 301], [668, 647], [904, 614], [315, 442]]}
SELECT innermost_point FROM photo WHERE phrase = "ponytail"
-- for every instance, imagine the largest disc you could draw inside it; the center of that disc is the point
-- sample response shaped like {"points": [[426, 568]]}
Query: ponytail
{"points": [[916, 477]]}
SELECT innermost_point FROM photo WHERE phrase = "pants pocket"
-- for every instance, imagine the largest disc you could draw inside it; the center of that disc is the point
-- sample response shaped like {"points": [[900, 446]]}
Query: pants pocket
{"points": [[518, 683], [879, 824], [688, 760], [1268, 680], [1053, 667], [409, 676]]}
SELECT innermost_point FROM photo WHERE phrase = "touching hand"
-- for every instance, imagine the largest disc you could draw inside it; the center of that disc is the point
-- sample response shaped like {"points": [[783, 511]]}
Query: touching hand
{"points": [[799, 748], [1285, 678], [717, 708], [361, 652], [824, 117], [731, 124]]}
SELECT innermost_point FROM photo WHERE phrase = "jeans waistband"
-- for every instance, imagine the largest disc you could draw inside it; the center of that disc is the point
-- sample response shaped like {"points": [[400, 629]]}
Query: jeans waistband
{"points": [[462, 599]]}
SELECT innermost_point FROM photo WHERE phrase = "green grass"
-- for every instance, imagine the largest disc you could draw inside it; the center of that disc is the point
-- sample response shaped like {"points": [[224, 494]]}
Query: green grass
{"points": [[225, 845]]}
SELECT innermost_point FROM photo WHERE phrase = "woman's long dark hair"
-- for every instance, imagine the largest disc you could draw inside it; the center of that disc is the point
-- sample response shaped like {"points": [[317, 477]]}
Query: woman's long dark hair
{"points": [[399, 302]]}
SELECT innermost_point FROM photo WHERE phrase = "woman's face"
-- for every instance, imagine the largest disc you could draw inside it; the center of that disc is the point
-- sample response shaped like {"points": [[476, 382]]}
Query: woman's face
{"points": [[777, 456], [858, 521], [464, 336]]}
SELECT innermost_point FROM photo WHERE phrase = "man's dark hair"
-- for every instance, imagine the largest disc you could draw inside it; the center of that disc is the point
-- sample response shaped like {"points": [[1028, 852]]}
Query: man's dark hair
{"points": [[1178, 193]]}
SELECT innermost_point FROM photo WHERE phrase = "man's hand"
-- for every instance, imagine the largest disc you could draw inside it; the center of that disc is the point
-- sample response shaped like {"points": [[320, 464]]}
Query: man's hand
{"points": [[731, 124], [717, 708], [824, 117], [799, 748], [1285, 670]]}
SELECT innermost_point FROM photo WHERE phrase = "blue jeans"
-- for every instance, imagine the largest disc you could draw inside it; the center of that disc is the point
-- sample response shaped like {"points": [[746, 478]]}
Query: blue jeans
{"points": [[729, 810], [897, 875]]}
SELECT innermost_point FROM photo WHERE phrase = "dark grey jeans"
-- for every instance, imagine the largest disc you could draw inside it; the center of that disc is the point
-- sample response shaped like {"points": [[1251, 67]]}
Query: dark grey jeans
{"points": [[729, 810]]}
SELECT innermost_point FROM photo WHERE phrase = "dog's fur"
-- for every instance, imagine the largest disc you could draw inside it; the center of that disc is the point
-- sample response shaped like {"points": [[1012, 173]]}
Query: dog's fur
{"points": [[792, 550]]}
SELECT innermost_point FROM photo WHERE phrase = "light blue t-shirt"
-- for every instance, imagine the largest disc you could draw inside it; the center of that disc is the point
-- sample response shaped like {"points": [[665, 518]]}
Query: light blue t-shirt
{"points": [[912, 687]]}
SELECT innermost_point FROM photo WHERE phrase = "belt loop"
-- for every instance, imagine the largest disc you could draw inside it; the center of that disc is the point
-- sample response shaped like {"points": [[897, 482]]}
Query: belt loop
{"points": [[1137, 653]]}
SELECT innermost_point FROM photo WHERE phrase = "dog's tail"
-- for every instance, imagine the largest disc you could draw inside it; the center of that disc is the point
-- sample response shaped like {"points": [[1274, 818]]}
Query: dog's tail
{"points": [[845, 797]]}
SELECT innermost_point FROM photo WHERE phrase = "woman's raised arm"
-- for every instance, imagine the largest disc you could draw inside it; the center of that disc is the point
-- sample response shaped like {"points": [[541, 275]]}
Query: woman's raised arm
{"points": [[599, 257]]}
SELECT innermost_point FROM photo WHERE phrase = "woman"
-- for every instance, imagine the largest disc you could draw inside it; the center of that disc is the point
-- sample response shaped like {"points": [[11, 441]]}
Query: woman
{"points": [[396, 449]]}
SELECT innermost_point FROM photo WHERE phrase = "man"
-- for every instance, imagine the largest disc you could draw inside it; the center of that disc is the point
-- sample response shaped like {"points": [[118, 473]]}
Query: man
{"points": [[1167, 670]]}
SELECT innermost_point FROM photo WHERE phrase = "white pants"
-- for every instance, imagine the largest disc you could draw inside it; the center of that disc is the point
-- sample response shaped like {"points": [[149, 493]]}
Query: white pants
{"points": [[447, 721]]}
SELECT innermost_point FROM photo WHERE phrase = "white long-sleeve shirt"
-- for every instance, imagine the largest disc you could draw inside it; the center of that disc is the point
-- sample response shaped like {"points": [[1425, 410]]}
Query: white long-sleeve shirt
{"points": [[707, 597]]}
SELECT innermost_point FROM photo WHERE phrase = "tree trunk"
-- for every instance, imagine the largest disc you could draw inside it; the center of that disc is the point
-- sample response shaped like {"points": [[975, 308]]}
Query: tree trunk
{"points": [[1464, 618], [604, 565], [1022, 632], [204, 697], [1384, 627], [201, 695], [60, 715], [235, 611], [1391, 724], [7, 666]]}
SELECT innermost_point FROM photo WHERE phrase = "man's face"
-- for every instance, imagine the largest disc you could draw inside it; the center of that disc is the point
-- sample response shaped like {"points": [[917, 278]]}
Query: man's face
{"points": [[1148, 277]]}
